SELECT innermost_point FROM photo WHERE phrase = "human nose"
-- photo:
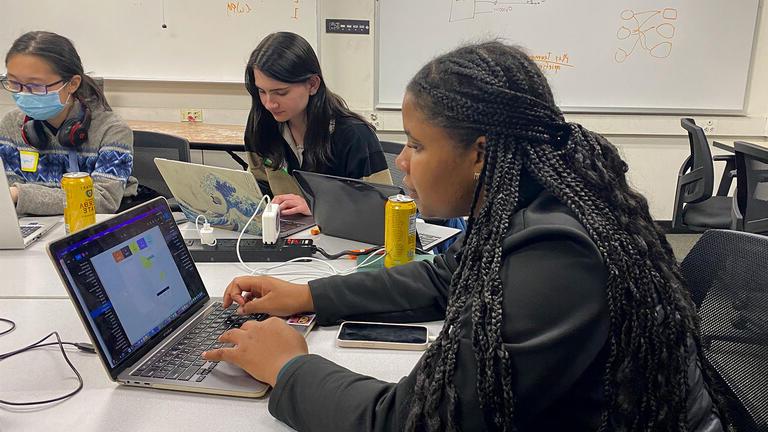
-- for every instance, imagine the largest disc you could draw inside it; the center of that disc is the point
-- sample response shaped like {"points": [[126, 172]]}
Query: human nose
{"points": [[269, 102], [401, 161]]}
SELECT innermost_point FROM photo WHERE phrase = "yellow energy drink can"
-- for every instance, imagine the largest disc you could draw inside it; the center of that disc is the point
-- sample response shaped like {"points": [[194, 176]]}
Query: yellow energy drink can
{"points": [[79, 207], [399, 230]]}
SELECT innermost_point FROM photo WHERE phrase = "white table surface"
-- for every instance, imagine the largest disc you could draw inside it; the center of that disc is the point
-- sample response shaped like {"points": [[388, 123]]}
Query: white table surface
{"points": [[104, 406], [32, 295], [29, 273]]}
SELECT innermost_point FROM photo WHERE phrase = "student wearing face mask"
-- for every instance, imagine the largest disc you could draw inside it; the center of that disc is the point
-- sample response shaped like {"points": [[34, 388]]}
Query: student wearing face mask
{"points": [[296, 122], [63, 124]]}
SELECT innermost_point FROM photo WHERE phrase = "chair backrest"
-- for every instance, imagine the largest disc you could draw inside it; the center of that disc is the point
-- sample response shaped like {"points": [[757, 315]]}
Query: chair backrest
{"points": [[391, 150], [751, 203], [696, 185], [149, 145], [726, 274]]}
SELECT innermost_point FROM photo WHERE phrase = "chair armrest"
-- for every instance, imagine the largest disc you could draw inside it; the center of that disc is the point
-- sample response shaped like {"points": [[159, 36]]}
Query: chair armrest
{"points": [[723, 158]]}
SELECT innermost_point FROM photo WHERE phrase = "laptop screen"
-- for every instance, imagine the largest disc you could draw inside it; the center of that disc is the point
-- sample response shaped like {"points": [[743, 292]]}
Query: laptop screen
{"points": [[348, 208], [132, 278]]}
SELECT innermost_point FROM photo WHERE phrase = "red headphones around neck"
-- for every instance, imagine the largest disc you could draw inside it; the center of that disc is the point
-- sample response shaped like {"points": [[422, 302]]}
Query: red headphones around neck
{"points": [[72, 133]]}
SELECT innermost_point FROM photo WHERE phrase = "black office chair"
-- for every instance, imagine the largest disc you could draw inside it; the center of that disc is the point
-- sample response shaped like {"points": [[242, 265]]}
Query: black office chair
{"points": [[725, 272], [146, 147], [750, 204], [696, 209], [391, 150]]}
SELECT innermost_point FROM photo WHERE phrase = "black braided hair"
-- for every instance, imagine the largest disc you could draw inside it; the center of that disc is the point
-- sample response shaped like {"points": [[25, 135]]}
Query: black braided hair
{"points": [[494, 90]]}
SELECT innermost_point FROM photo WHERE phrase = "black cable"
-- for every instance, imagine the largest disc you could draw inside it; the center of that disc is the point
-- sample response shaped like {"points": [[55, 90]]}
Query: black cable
{"points": [[346, 252], [357, 252], [86, 347], [11, 323], [82, 346]]}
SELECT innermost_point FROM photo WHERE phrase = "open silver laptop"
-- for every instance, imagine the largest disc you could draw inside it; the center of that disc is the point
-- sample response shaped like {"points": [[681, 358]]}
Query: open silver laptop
{"points": [[10, 237], [142, 301], [226, 197]]}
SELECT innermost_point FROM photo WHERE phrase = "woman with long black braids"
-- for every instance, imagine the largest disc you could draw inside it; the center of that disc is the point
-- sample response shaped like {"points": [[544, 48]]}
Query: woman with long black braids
{"points": [[564, 308]]}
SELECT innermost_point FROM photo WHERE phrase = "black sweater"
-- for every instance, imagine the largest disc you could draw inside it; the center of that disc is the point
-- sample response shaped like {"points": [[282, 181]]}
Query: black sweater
{"points": [[355, 153], [555, 328]]}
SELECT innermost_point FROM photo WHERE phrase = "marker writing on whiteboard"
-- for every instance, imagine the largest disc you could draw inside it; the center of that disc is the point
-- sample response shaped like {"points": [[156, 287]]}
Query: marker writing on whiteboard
{"points": [[164, 26]]}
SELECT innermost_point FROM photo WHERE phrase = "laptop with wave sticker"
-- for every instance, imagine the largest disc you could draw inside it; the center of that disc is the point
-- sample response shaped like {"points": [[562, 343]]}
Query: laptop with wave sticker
{"points": [[226, 197]]}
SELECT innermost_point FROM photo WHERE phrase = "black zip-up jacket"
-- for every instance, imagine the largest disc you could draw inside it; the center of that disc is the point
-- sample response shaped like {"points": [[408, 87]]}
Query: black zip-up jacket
{"points": [[555, 327]]}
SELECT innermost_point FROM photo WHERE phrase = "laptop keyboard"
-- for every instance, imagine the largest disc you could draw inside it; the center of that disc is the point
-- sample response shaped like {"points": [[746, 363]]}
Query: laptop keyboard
{"points": [[28, 230], [427, 239], [286, 224], [182, 361]]}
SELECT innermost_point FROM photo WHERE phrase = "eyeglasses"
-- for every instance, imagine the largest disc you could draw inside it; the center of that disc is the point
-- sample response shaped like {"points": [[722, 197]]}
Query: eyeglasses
{"points": [[35, 89]]}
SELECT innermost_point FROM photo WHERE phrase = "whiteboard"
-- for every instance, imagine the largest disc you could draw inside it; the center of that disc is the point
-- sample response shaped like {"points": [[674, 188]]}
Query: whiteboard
{"points": [[205, 40], [598, 55]]}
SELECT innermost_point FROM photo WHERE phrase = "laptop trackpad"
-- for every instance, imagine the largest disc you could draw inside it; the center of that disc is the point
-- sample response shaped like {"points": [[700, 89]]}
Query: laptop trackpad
{"points": [[224, 369], [230, 374]]}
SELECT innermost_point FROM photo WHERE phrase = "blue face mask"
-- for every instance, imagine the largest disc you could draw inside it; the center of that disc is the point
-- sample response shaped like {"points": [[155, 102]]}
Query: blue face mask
{"points": [[40, 107]]}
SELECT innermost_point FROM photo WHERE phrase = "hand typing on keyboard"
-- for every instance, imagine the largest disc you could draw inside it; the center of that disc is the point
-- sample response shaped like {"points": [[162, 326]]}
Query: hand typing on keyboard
{"points": [[181, 361], [263, 294], [291, 204], [261, 348]]}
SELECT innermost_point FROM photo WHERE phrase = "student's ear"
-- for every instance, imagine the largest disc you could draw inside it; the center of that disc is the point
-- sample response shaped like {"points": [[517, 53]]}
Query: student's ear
{"points": [[74, 83], [478, 153], [314, 84]]}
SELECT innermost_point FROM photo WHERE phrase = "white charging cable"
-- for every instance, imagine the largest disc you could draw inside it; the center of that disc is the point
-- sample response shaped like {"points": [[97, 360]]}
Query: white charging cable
{"points": [[365, 262], [309, 265], [310, 268], [264, 199], [205, 233]]}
